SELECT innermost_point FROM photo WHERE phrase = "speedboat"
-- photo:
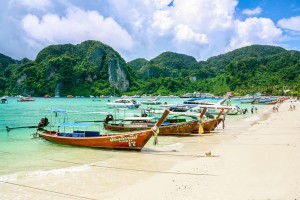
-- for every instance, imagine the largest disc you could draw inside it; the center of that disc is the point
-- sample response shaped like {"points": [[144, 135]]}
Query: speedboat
{"points": [[4, 99], [153, 101], [215, 109], [124, 103], [26, 99]]}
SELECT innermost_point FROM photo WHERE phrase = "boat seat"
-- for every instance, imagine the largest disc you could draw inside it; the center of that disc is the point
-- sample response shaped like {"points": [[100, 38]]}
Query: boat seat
{"points": [[81, 134], [64, 134], [91, 134]]}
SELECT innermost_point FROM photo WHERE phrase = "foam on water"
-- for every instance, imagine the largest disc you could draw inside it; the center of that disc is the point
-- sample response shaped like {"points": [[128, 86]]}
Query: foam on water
{"points": [[39, 174], [43, 173]]}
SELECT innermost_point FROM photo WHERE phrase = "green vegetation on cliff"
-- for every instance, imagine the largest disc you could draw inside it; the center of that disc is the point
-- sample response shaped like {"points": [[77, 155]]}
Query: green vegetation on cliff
{"points": [[93, 68], [89, 68], [256, 68]]}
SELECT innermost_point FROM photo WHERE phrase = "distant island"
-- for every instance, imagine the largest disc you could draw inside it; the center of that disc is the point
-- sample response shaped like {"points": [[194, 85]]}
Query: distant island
{"points": [[94, 68]]}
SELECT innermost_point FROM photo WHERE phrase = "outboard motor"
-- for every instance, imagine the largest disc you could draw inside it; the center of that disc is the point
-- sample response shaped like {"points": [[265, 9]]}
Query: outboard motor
{"points": [[108, 118], [44, 122]]}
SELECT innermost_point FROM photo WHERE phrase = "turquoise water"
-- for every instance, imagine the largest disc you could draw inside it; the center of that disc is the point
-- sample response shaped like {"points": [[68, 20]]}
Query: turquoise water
{"points": [[19, 152]]}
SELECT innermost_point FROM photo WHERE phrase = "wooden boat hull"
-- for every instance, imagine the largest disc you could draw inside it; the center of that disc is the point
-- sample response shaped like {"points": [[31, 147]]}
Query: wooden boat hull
{"points": [[125, 127], [180, 129], [130, 141], [271, 102], [208, 126]]}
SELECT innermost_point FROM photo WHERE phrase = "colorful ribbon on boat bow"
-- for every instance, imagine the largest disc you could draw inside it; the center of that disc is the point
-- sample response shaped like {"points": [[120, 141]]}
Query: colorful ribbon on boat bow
{"points": [[155, 131], [201, 130]]}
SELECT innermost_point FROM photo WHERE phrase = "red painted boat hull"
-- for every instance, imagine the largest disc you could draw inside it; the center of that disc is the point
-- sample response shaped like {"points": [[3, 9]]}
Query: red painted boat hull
{"points": [[133, 141], [178, 129]]}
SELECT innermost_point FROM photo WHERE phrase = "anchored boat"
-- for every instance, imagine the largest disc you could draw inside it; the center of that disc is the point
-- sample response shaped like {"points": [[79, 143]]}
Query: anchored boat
{"points": [[130, 140]]}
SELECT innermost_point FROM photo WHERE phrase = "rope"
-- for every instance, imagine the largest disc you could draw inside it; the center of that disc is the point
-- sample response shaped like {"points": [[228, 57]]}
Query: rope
{"points": [[45, 190], [155, 131], [137, 170], [201, 130]]}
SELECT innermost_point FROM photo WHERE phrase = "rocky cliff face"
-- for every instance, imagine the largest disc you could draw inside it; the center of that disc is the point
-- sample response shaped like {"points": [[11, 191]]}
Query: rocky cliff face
{"points": [[83, 69], [117, 75]]}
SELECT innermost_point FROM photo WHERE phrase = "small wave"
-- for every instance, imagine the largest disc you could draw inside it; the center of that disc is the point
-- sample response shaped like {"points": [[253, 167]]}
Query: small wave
{"points": [[8, 178], [42, 173]]}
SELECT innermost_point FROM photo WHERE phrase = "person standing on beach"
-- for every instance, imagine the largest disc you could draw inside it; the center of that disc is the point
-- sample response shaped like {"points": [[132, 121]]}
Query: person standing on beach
{"points": [[276, 107], [291, 106], [252, 109], [256, 109]]}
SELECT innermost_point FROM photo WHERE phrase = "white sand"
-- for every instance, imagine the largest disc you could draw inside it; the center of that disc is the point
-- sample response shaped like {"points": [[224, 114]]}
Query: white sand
{"points": [[250, 160]]}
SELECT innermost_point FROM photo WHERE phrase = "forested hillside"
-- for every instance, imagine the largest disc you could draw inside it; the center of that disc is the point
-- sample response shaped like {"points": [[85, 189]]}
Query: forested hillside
{"points": [[257, 68], [93, 68], [84, 69]]}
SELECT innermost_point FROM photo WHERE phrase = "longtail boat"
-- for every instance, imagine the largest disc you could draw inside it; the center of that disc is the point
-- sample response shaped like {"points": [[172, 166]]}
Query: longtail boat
{"points": [[209, 125], [130, 140], [173, 126]]}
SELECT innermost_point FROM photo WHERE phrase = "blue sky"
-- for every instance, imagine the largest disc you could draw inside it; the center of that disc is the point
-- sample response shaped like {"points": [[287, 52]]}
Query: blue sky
{"points": [[146, 28]]}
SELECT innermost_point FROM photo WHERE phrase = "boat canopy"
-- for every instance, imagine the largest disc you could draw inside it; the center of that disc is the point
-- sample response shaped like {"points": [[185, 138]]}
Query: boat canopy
{"points": [[138, 118]]}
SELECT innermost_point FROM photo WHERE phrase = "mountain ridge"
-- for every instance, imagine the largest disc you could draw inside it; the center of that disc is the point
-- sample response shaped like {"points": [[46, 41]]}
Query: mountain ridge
{"points": [[94, 68]]}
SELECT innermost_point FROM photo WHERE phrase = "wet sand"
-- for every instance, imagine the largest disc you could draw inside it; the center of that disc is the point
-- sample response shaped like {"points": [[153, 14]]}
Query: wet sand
{"points": [[255, 158]]}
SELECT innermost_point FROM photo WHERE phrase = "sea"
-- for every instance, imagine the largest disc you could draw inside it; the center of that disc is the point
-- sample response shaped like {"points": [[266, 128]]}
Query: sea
{"points": [[21, 153]]}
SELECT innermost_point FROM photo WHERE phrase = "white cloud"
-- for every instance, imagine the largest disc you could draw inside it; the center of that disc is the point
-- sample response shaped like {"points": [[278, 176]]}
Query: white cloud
{"points": [[33, 4], [292, 23], [201, 28], [145, 28], [194, 27], [254, 31], [160, 4], [251, 12], [76, 26], [184, 33], [204, 15], [162, 21]]}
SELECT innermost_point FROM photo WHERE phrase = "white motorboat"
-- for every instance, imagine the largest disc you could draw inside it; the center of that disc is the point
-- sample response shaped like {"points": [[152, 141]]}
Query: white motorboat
{"points": [[153, 101], [124, 103]]}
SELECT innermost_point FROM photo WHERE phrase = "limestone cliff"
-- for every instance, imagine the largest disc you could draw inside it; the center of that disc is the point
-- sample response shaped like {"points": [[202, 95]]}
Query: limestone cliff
{"points": [[84, 69]]}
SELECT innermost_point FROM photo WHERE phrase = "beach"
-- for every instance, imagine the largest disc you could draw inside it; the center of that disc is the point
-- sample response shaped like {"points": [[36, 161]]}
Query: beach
{"points": [[256, 157]]}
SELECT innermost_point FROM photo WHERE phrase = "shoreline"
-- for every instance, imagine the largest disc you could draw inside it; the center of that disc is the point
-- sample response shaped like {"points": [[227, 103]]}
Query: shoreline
{"points": [[178, 167], [245, 166]]}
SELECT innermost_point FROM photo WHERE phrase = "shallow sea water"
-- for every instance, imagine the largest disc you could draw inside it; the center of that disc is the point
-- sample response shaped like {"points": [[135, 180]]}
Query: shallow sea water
{"points": [[20, 153]]}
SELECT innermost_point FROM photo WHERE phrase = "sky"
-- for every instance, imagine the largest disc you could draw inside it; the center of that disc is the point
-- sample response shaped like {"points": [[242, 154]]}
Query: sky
{"points": [[147, 28]]}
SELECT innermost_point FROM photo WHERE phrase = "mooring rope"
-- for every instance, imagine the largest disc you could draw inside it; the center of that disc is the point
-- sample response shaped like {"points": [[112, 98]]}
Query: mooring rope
{"points": [[46, 190], [132, 169]]}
